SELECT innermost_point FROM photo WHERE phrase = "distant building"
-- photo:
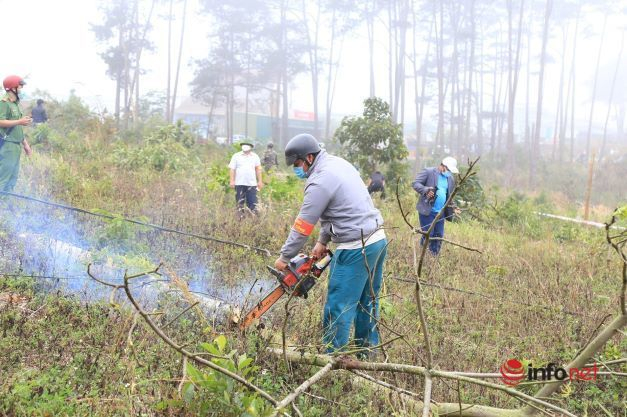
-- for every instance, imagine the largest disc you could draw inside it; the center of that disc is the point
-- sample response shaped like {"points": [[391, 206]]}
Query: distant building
{"points": [[261, 127]]}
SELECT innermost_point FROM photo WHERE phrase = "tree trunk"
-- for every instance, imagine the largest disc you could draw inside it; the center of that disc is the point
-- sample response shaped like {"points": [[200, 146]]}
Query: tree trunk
{"points": [[247, 97], [471, 70], [536, 137], [573, 84], [610, 102], [136, 74], [370, 25], [333, 83], [312, 52], [455, 94], [513, 72], [136, 106], [594, 88], [528, 131], [284, 78], [118, 82], [419, 99], [399, 78], [127, 68], [560, 97], [570, 100], [494, 107], [480, 89], [391, 49], [169, 71], [132, 84], [572, 117], [178, 62], [210, 116], [498, 110], [620, 121], [439, 44], [327, 127]]}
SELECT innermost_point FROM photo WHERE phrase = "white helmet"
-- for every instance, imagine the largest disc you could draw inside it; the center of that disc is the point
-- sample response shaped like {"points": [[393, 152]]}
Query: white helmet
{"points": [[451, 164]]}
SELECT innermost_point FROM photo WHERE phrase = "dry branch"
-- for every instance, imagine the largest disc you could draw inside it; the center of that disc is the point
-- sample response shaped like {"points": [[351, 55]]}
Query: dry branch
{"points": [[385, 384], [177, 347], [353, 364], [302, 388]]}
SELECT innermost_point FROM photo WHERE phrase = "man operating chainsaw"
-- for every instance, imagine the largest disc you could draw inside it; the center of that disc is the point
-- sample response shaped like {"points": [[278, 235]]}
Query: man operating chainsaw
{"points": [[336, 195]]}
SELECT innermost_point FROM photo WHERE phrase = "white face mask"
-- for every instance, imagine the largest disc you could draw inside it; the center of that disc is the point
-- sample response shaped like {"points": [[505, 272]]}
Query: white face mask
{"points": [[246, 148]]}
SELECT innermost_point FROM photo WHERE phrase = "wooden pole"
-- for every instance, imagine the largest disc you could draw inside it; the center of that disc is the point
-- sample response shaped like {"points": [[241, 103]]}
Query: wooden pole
{"points": [[589, 187]]}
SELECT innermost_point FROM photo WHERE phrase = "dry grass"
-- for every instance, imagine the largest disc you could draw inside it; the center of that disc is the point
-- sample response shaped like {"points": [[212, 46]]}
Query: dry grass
{"points": [[541, 298]]}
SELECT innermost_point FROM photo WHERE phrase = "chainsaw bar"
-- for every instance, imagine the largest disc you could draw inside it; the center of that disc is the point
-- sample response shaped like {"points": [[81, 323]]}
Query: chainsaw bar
{"points": [[262, 306]]}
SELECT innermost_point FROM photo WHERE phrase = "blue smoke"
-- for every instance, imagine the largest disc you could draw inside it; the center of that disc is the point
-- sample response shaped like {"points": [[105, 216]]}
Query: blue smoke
{"points": [[57, 245]]}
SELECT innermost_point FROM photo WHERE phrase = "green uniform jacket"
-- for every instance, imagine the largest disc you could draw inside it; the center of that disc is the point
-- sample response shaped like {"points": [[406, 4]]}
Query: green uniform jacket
{"points": [[10, 110], [11, 146]]}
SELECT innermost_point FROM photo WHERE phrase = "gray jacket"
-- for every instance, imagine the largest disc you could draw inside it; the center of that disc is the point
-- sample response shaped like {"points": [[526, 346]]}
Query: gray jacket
{"points": [[336, 195], [426, 179]]}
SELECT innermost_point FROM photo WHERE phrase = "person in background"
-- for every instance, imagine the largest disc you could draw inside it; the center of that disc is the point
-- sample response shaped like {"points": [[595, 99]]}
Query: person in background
{"points": [[270, 159], [12, 139], [336, 196], [39, 113], [377, 184], [434, 186], [245, 177]]}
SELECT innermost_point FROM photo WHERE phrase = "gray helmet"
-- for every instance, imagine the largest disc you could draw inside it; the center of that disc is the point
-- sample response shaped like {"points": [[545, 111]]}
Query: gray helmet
{"points": [[299, 147], [270, 145]]}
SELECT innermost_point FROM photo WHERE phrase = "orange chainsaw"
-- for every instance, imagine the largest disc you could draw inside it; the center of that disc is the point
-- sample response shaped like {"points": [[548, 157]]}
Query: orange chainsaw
{"points": [[300, 276]]}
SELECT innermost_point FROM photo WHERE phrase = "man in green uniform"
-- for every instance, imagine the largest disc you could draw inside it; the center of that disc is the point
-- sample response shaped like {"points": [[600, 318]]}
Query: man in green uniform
{"points": [[11, 132]]}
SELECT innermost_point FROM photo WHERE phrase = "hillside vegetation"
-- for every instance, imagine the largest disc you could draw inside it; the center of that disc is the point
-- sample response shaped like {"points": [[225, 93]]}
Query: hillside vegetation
{"points": [[538, 291]]}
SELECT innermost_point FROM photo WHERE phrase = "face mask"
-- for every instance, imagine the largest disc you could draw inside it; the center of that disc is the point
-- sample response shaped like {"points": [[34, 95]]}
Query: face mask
{"points": [[447, 174], [246, 148], [300, 172]]}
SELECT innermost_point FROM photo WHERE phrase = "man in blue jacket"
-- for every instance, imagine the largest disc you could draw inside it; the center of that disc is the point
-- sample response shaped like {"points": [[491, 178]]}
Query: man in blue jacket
{"points": [[434, 186], [336, 195]]}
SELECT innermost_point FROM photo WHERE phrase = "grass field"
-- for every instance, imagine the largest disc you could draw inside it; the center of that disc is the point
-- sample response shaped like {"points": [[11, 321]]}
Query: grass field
{"points": [[539, 291]]}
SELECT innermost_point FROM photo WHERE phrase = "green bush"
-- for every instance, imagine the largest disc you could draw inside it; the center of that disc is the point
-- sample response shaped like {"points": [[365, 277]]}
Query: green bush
{"points": [[209, 390], [178, 132], [156, 155], [36, 393], [519, 212], [218, 178], [278, 188], [40, 134], [166, 148]]}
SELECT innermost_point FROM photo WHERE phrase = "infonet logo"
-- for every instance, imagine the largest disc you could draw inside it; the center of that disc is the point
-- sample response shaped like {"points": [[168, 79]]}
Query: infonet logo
{"points": [[513, 372]]}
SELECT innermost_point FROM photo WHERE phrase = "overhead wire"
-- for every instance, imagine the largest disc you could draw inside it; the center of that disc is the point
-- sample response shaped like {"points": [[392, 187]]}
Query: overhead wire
{"points": [[264, 251], [80, 278]]}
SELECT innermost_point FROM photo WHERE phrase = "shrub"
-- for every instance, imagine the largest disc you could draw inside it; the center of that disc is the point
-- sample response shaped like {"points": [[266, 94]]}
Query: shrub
{"points": [[209, 390]]}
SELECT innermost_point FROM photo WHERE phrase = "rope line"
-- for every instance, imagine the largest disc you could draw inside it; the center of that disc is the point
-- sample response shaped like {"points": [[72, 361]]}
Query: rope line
{"points": [[266, 252], [438, 286], [485, 296], [87, 279]]}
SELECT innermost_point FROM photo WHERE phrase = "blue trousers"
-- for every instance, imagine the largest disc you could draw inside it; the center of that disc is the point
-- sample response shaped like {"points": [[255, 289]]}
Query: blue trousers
{"points": [[438, 231], [352, 297], [245, 194]]}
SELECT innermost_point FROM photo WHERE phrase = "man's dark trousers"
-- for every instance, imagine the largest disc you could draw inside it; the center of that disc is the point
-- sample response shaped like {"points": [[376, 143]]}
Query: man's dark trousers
{"points": [[377, 186], [438, 231], [246, 194]]}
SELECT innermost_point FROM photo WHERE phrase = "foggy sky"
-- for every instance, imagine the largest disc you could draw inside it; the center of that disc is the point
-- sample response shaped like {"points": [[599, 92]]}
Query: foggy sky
{"points": [[57, 51]]}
